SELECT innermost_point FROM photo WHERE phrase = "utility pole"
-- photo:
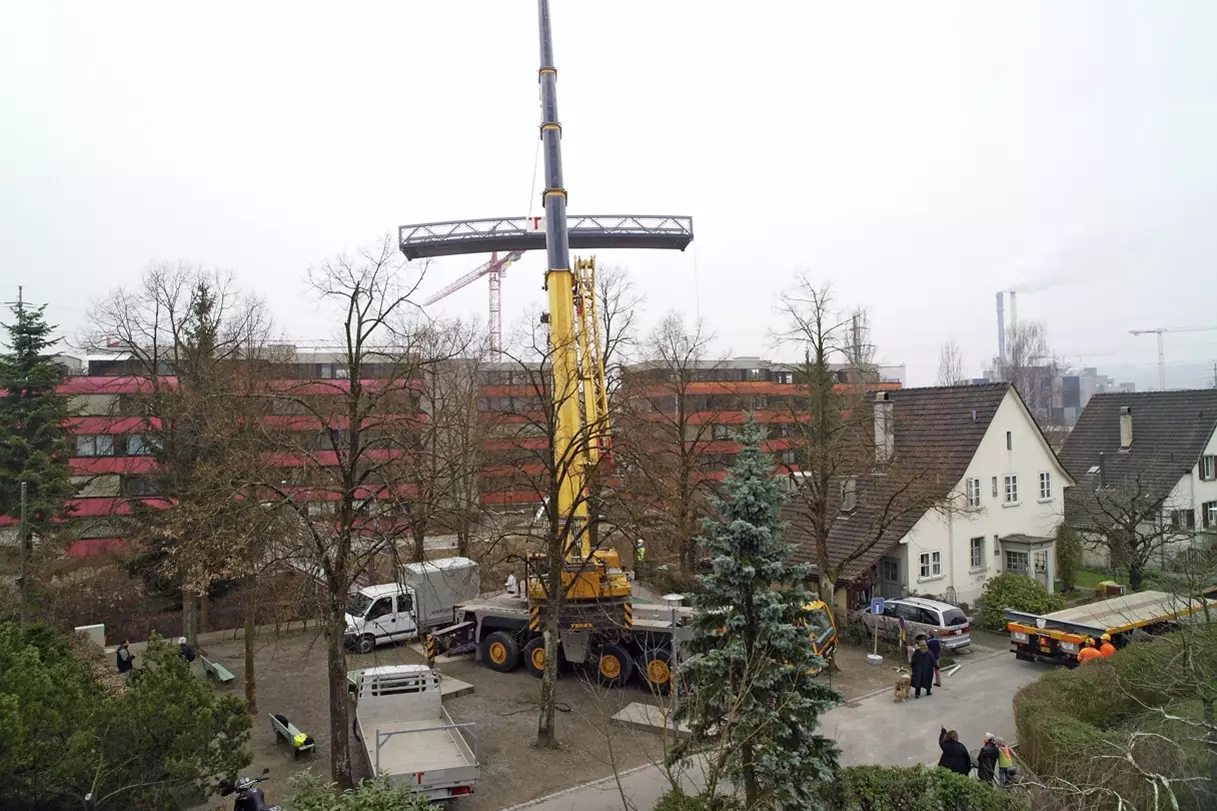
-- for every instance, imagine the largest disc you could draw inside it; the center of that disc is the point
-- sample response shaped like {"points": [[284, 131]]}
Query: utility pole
{"points": [[21, 541]]}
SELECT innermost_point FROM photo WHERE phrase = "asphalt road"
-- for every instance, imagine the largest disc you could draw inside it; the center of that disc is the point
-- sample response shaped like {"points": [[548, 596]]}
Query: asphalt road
{"points": [[976, 700]]}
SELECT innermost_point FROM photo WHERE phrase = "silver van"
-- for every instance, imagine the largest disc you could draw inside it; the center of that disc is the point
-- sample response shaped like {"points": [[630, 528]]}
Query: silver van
{"points": [[923, 616]]}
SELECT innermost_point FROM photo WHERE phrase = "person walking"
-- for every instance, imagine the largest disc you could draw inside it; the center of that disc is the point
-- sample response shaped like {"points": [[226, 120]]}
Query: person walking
{"points": [[1107, 649], [1005, 761], [955, 756], [935, 646], [922, 665], [986, 760], [1088, 653], [124, 658]]}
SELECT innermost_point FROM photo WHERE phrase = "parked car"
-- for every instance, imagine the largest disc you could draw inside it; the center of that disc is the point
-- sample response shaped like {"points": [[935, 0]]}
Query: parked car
{"points": [[923, 616]]}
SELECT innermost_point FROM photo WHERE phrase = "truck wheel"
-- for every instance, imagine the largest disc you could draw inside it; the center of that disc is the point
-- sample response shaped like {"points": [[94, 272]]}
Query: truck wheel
{"points": [[656, 669], [534, 656], [366, 644], [615, 666], [501, 652]]}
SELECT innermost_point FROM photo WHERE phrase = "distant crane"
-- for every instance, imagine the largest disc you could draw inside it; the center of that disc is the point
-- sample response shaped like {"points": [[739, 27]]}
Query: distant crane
{"points": [[495, 269], [1161, 355]]}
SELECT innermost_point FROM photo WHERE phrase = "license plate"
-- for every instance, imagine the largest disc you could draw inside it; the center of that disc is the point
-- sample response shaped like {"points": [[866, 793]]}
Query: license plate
{"points": [[1045, 650]]}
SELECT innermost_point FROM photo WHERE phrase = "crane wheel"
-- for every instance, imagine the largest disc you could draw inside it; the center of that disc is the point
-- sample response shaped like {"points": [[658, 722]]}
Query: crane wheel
{"points": [[501, 652], [615, 666], [656, 669], [534, 656]]}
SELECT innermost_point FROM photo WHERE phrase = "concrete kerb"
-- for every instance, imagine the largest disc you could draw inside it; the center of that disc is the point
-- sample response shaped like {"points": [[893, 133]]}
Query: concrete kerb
{"points": [[602, 781]]}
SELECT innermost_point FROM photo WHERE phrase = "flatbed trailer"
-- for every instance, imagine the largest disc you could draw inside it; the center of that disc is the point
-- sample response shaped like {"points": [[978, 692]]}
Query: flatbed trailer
{"points": [[1059, 636], [502, 631]]}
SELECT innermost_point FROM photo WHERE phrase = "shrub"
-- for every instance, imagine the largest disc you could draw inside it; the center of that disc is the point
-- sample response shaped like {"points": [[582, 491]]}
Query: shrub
{"points": [[1020, 593], [675, 799], [313, 793], [919, 788]]}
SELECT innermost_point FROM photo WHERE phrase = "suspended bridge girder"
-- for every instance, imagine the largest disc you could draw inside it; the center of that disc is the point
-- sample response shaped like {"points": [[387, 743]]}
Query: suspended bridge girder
{"points": [[507, 234]]}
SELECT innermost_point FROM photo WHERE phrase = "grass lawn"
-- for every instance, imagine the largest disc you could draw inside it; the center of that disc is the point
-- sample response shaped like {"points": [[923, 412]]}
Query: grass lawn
{"points": [[1087, 579]]}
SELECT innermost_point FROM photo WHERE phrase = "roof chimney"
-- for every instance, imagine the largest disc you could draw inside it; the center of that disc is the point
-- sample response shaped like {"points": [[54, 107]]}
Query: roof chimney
{"points": [[1125, 428], [885, 427], [1102, 469]]}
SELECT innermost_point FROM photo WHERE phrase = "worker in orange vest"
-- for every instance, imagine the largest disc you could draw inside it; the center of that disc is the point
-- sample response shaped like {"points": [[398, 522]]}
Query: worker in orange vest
{"points": [[1089, 653], [1106, 649]]}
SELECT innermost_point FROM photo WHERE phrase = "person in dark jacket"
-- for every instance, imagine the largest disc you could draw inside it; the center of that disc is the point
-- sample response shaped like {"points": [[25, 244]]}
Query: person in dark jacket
{"points": [[922, 665], [124, 658], [955, 756], [986, 761], [935, 647], [184, 648]]}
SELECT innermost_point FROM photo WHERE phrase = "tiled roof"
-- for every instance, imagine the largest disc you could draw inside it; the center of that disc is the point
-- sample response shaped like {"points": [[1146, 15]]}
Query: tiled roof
{"points": [[937, 432], [1170, 430]]}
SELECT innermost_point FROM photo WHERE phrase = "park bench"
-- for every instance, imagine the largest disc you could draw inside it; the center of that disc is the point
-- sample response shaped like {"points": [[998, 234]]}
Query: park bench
{"points": [[293, 737], [216, 671]]}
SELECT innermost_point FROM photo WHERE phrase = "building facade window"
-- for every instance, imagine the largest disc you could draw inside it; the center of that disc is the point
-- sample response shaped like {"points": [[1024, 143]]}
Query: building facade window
{"points": [[1045, 486], [930, 565], [1011, 484], [94, 445], [788, 457], [1183, 519], [1208, 468], [973, 490], [1209, 512], [1009, 440], [978, 553], [1017, 562], [136, 446]]}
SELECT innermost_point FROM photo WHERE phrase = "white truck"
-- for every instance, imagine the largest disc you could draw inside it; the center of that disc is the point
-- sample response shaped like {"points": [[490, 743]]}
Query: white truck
{"points": [[423, 598], [409, 736]]}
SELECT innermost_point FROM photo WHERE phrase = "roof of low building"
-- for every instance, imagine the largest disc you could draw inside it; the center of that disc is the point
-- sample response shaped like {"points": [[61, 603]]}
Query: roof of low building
{"points": [[1170, 430], [937, 433]]}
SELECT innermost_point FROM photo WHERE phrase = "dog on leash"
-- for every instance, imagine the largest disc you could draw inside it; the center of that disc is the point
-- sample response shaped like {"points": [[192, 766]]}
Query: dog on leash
{"points": [[904, 684]]}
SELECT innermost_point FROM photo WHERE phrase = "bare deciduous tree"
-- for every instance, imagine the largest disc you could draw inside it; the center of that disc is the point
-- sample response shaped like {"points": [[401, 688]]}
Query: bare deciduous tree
{"points": [[950, 364], [667, 424], [1032, 367], [194, 344], [349, 490], [840, 471]]}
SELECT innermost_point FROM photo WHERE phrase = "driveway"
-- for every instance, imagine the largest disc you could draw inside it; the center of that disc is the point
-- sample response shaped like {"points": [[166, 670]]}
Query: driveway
{"points": [[873, 730]]}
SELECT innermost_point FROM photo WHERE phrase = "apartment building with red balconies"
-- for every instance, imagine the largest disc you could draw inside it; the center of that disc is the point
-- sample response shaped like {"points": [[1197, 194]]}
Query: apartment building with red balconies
{"points": [[708, 401], [115, 467]]}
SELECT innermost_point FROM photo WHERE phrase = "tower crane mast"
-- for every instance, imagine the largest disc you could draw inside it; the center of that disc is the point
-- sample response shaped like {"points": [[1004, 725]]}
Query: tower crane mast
{"points": [[494, 269]]}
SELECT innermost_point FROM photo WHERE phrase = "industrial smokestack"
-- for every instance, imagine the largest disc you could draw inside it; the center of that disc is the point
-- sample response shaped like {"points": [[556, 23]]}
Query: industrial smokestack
{"points": [[1013, 311], [1001, 333]]}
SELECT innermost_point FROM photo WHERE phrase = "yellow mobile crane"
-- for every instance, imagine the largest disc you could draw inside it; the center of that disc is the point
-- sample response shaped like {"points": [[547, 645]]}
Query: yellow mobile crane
{"points": [[598, 624]]}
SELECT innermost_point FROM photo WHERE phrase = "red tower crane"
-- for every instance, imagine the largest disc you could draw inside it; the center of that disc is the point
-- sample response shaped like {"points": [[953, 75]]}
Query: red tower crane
{"points": [[495, 269]]}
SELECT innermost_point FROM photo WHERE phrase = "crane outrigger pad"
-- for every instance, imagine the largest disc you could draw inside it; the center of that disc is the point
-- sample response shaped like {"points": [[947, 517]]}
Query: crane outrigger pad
{"points": [[602, 231]]}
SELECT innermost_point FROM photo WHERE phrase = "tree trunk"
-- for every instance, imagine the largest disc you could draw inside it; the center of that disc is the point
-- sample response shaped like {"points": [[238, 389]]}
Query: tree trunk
{"points": [[752, 788], [190, 617], [202, 611], [547, 737], [340, 742], [251, 682], [1134, 577]]}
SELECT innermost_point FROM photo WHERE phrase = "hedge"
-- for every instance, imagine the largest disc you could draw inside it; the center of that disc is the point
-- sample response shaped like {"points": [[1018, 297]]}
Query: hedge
{"points": [[882, 788], [1015, 591]]}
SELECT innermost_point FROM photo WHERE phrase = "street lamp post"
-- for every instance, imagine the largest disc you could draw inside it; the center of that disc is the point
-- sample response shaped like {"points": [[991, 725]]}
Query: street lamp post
{"points": [[673, 602]]}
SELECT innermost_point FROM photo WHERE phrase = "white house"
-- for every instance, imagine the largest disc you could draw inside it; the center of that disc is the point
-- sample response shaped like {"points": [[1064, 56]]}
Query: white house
{"points": [[1159, 448], [991, 495]]}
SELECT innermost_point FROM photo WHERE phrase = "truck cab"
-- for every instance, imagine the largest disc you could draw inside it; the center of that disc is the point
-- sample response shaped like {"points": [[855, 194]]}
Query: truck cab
{"points": [[379, 615]]}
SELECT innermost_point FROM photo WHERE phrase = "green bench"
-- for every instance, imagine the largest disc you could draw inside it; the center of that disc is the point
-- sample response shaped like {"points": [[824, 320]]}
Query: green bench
{"points": [[215, 670], [291, 735]]}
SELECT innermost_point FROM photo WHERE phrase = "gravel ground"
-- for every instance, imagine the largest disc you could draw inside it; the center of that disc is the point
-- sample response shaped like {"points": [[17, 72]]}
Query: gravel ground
{"points": [[292, 681]]}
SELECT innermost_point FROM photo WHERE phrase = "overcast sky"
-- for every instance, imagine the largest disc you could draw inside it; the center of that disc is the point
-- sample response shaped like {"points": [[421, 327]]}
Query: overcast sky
{"points": [[920, 156]]}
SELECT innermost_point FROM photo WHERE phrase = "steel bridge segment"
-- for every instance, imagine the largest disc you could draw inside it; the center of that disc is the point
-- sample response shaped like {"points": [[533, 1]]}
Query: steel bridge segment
{"points": [[601, 231]]}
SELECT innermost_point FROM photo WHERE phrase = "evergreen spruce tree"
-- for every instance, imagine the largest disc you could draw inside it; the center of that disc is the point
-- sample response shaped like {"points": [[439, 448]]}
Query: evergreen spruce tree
{"points": [[747, 674], [34, 444]]}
